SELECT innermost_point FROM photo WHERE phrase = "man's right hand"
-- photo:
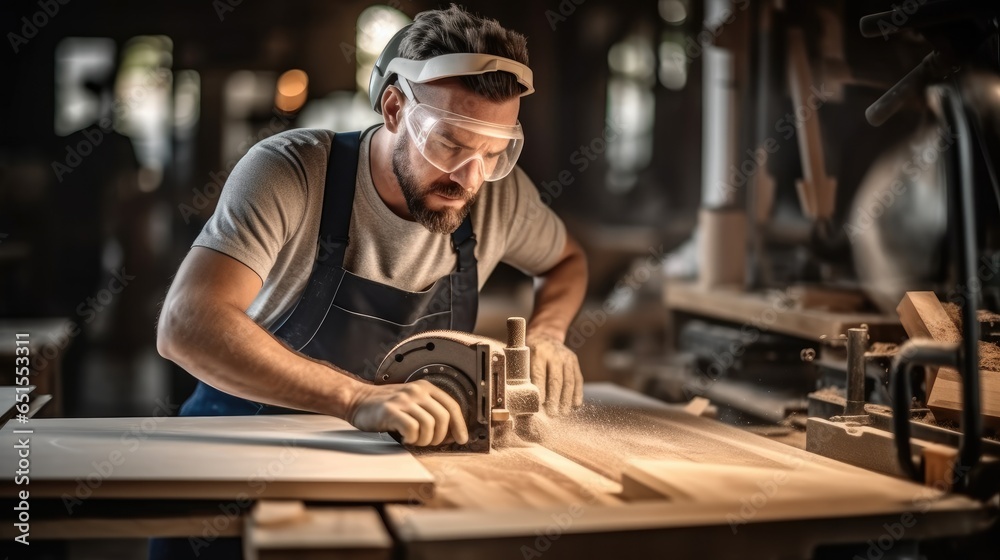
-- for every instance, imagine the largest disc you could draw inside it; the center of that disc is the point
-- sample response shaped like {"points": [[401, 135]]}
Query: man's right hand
{"points": [[418, 411]]}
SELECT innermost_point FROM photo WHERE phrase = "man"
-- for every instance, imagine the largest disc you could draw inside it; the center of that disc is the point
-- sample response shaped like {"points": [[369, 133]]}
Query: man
{"points": [[299, 284], [326, 250]]}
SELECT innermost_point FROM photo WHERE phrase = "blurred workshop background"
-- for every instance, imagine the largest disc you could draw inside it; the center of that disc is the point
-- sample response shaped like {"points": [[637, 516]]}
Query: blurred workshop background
{"points": [[122, 120]]}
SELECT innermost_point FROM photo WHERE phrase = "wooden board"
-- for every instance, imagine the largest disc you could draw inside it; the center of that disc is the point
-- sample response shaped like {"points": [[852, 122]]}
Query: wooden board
{"points": [[805, 482], [513, 478], [232, 458], [768, 314], [138, 525], [923, 316], [945, 401], [323, 532], [617, 427], [685, 530]]}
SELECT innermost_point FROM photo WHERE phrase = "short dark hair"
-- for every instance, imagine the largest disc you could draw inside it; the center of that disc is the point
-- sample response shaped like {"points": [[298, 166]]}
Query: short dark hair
{"points": [[438, 32]]}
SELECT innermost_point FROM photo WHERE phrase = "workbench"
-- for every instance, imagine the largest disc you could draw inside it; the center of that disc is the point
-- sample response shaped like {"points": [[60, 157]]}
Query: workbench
{"points": [[625, 476], [774, 313]]}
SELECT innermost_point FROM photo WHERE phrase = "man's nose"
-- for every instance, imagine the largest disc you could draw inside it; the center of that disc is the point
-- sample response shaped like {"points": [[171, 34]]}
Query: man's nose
{"points": [[469, 175]]}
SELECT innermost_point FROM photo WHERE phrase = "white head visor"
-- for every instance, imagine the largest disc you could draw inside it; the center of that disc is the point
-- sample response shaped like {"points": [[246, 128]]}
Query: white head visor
{"points": [[460, 64]]}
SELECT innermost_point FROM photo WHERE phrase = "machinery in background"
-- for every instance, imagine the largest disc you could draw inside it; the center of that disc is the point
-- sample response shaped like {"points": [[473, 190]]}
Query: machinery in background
{"points": [[831, 346], [961, 31]]}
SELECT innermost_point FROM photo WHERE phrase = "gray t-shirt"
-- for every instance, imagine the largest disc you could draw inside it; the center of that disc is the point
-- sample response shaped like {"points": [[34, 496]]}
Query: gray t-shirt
{"points": [[269, 212]]}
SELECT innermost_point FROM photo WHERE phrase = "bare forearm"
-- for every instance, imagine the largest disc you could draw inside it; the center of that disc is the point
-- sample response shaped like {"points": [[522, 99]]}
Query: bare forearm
{"points": [[559, 293], [223, 347]]}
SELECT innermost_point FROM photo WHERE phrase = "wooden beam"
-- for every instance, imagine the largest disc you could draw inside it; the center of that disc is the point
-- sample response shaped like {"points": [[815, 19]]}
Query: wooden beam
{"points": [[923, 316], [775, 315], [946, 399], [351, 533], [123, 526]]}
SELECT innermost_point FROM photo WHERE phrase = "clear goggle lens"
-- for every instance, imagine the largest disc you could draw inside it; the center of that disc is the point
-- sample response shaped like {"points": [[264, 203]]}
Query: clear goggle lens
{"points": [[450, 141]]}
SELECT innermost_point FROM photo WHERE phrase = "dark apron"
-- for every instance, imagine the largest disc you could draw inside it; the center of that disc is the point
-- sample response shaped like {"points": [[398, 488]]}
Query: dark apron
{"points": [[347, 320]]}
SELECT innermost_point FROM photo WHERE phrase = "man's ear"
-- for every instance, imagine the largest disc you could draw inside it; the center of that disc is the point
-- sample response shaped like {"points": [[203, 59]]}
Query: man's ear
{"points": [[392, 108]]}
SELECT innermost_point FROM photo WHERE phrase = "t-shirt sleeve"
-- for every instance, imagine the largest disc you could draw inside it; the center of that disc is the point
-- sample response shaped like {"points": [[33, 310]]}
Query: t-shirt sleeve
{"points": [[261, 206], [537, 236]]}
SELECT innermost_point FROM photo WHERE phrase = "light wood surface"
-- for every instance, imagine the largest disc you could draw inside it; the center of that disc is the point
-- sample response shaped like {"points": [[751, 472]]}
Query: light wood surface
{"points": [[698, 475], [353, 533], [804, 482], [567, 489], [945, 401], [135, 526], [923, 316], [768, 314], [647, 529], [274, 513], [242, 458], [826, 299]]}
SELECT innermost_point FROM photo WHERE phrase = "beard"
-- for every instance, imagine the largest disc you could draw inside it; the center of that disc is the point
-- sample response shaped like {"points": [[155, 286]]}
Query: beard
{"points": [[444, 221]]}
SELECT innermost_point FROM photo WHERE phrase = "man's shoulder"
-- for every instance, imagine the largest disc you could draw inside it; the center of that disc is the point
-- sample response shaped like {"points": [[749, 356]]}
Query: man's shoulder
{"points": [[297, 138]]}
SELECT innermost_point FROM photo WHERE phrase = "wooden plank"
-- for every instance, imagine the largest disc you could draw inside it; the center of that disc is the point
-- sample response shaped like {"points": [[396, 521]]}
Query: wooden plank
{"points": [[602, 489], [826, 299], [769, 314], [617, 425], [274, 513], [923, 316], [513, 478], [354, 533], [136, 526], [232, 458], [687, 530], [946, 399], [809, 481]]}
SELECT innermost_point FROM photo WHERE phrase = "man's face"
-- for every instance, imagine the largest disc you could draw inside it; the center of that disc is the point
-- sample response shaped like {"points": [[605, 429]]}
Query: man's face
{"points": [[436, 199]]}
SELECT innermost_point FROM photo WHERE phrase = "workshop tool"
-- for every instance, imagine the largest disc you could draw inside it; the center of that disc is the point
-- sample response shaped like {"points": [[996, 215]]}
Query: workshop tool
{"points": [[490, 381]]}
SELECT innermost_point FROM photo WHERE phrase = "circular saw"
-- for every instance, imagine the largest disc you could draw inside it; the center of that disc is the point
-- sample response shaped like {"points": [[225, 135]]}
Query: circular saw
{"points": [[490, 380]]}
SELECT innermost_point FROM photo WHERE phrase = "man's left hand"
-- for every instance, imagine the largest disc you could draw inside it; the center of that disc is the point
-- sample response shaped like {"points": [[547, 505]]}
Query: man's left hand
{"points": [[555, 370]]}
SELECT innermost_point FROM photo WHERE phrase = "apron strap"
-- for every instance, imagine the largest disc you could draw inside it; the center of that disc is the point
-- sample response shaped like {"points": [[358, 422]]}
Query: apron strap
{"points": [[463, 240], [338, 198], [299, 324], [465, 280]]}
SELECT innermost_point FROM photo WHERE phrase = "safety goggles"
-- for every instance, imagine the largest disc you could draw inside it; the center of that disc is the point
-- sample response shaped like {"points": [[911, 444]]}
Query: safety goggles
{"points": [[450, 141]]}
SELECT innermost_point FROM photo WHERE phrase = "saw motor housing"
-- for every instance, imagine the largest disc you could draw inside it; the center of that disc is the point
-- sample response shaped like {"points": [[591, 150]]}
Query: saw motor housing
{"points": [[490, 380]]}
